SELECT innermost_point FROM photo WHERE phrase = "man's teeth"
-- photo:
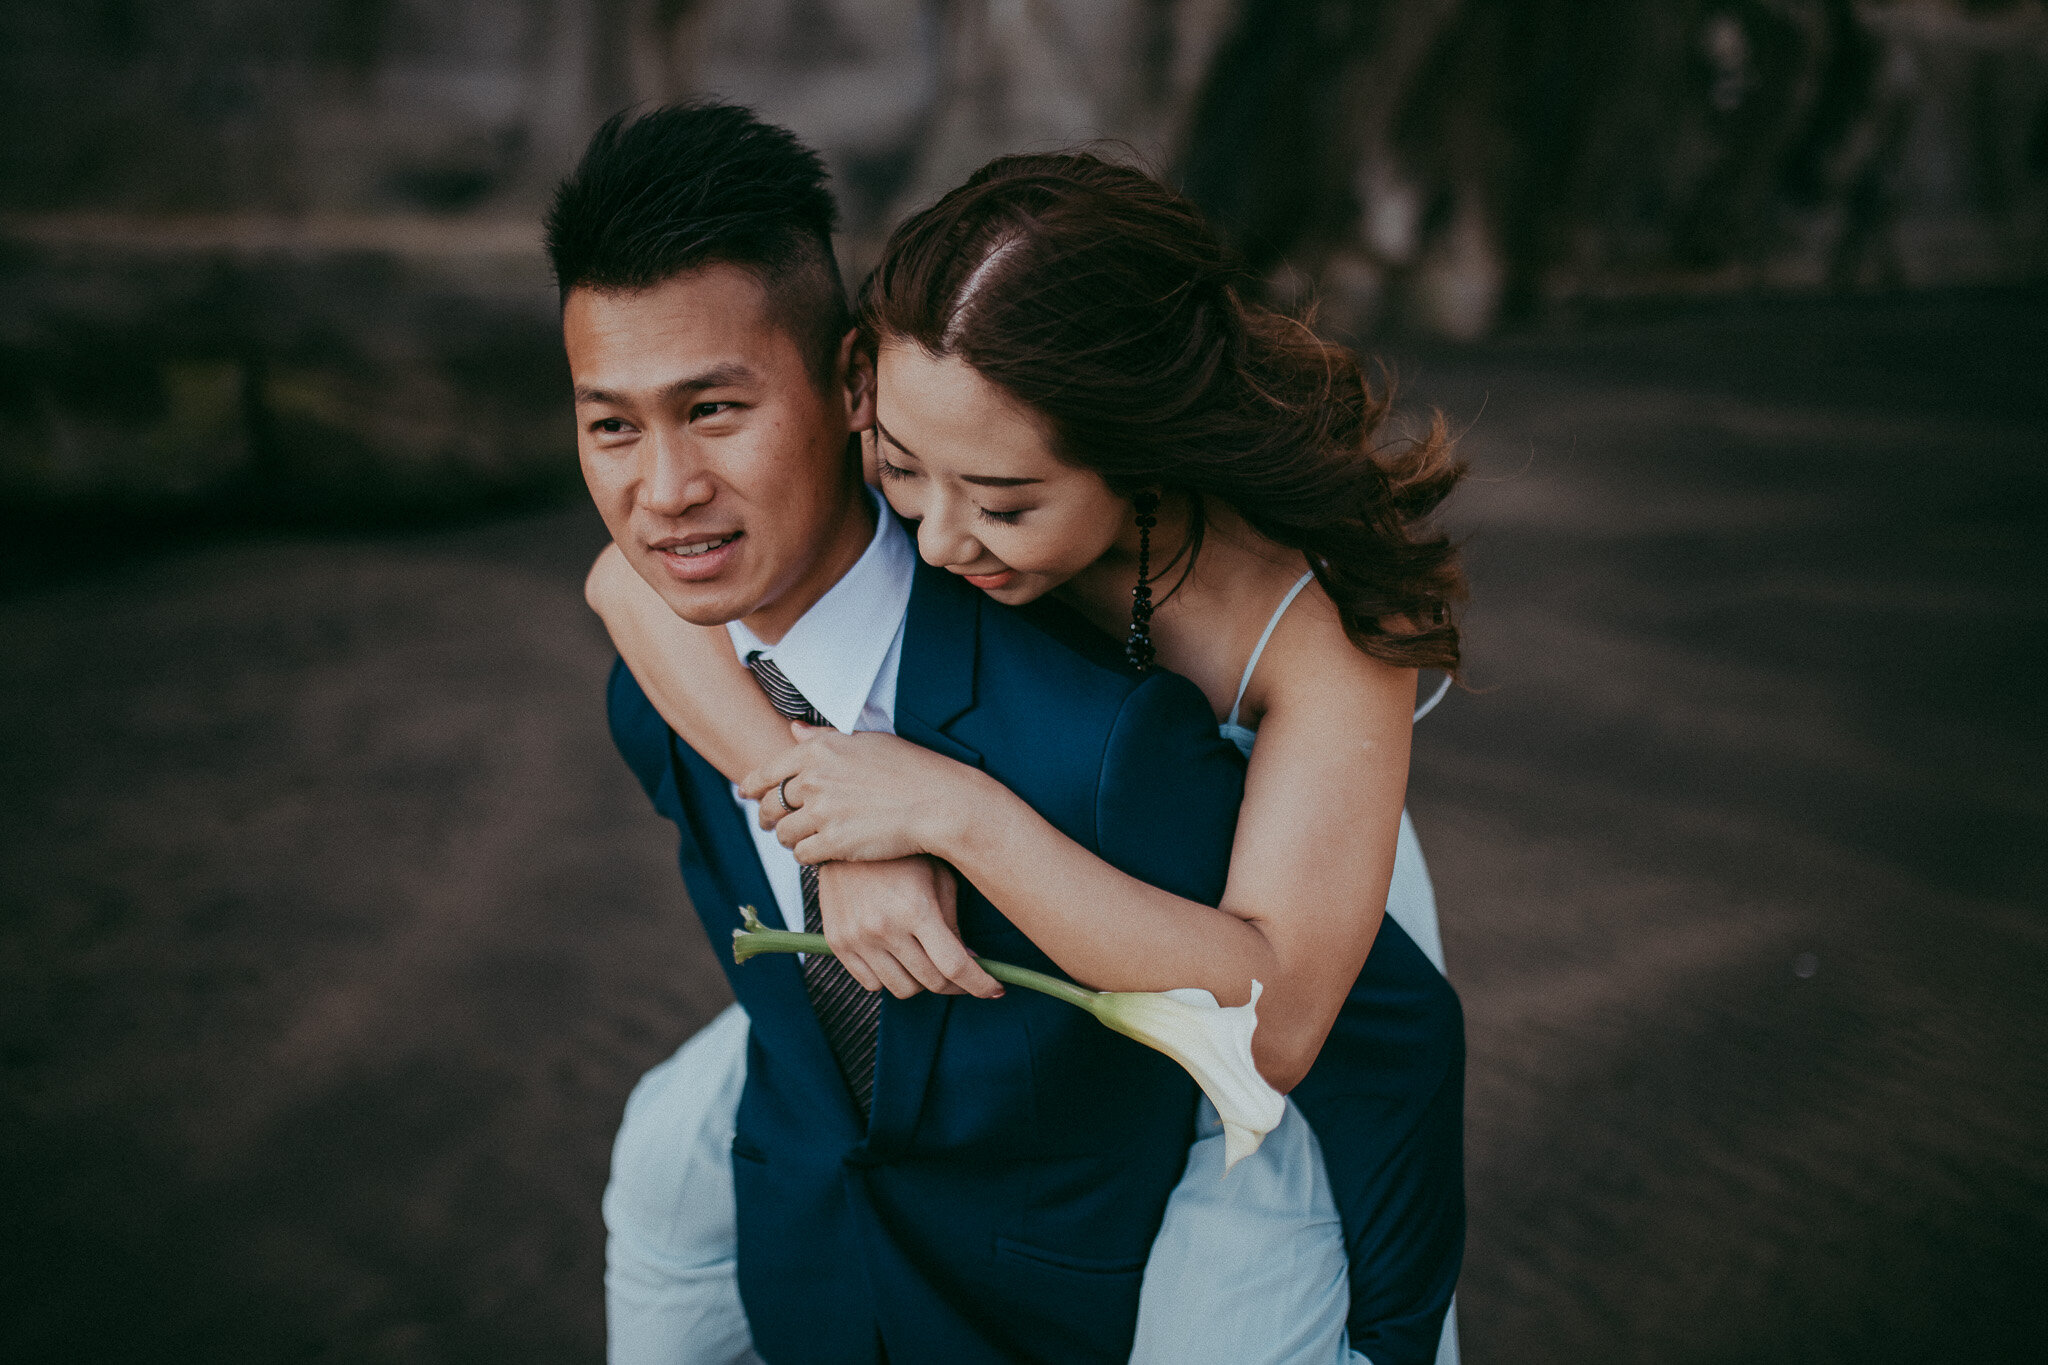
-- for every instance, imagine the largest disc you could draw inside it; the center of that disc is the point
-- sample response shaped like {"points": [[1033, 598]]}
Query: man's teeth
{"points": [[705, 547]]}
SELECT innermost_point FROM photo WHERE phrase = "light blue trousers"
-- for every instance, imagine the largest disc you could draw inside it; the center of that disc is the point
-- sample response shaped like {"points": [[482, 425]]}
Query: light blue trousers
{"points": [[1248, 1270], [671, 1284]]}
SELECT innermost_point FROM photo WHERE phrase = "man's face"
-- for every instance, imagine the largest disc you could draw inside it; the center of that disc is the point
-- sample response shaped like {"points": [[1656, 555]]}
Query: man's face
{"points": [[717, 462]]}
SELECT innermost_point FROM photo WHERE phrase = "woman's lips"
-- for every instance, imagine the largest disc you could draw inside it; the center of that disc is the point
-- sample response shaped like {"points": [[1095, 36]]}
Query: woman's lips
{"points": [[989, 582], [700, 563]]}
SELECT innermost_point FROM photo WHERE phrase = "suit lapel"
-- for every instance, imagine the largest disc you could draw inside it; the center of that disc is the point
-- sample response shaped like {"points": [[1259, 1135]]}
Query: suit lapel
{"points": [[778, 1006], [934, 687], [941, 638]]}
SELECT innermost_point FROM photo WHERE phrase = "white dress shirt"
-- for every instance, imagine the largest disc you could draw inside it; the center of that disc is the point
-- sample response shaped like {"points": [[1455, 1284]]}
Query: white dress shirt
{"points": [[842, 655]]}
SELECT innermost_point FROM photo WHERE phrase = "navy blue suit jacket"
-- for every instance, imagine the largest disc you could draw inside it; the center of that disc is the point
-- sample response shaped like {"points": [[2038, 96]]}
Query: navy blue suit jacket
{"points": [[1001, 1201]]}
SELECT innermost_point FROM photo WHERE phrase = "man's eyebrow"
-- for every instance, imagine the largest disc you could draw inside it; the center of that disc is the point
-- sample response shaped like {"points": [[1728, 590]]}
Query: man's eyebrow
{"points": [[985, 480], [718, 376]]}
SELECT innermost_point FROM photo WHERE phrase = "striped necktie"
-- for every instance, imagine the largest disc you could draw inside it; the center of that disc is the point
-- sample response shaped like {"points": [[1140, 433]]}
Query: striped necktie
{"points": [[850, 1014]]}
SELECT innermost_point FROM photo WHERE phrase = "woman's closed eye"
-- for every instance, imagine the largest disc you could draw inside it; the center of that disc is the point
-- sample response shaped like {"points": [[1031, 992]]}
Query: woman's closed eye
{"points": [[889, 469]]}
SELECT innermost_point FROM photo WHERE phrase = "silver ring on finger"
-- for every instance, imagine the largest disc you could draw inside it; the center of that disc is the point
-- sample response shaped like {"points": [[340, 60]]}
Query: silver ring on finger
{"points": [[782, 795]]}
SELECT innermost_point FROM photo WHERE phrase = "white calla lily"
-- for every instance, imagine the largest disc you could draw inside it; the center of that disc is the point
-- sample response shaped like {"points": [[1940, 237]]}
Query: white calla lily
{"points": [[1212, 1042]]}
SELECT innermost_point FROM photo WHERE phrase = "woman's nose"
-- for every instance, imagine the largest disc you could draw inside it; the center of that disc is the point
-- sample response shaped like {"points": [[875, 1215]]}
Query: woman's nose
{"points": [[943, 542]]}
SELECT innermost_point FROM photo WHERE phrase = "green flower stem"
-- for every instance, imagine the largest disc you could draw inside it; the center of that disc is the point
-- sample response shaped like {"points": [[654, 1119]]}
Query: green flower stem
{"points": [[1079, 996], [748, 943], [757, 938]]}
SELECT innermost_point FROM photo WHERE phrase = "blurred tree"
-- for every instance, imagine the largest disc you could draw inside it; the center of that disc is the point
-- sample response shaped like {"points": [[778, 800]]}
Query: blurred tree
{"points": [[1434, 160], [340, 196]]}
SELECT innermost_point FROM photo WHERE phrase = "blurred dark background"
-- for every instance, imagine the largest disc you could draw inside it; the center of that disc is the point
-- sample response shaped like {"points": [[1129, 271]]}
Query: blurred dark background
{"points": [[335, 934]]}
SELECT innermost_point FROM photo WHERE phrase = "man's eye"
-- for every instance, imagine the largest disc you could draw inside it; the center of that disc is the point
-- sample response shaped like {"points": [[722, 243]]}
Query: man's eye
{"points": [[1002, 518], [610, 426], [708, 409]]}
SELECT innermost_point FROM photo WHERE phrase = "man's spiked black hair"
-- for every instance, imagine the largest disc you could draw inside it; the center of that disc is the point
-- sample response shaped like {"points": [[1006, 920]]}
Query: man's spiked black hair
{"points": [[681, 187]]}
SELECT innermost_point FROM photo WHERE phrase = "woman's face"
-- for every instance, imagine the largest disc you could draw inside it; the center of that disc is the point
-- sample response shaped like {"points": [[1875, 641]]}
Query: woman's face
{"points": [[974, 469]]}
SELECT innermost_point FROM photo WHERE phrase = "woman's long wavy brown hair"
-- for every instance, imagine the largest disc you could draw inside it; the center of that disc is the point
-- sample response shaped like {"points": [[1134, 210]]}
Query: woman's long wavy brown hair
{"points": [[1100, 299]]}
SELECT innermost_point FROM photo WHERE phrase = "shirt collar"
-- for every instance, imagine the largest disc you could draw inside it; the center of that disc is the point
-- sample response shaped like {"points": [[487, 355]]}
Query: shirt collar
{"points": [[835, 651]]}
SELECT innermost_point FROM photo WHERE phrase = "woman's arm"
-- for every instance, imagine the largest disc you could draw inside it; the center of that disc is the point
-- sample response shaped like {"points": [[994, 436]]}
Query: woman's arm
{"points": [[689, 673], [698, 685], [1309, 868]]}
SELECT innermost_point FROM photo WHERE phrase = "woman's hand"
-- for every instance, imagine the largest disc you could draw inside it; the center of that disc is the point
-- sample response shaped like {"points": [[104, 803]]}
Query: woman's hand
{"points": [[862, 805], [863, 797], [895, 926]]}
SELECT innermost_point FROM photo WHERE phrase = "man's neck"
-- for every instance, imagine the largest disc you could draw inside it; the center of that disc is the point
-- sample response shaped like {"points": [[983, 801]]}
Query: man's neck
{"points": [[848, 542]]}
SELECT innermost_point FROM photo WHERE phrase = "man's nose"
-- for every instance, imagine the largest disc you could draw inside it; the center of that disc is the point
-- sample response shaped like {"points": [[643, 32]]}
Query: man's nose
{"points": [[672, 478]]}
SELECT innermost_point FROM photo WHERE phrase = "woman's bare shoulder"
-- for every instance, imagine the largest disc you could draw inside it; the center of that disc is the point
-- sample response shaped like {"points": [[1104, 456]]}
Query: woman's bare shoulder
{"points": [[1311, 670]]}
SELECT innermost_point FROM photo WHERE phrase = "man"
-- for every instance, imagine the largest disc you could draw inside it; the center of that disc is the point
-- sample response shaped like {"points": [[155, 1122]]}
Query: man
{"points": [[927, 1178], [995, 1195]]}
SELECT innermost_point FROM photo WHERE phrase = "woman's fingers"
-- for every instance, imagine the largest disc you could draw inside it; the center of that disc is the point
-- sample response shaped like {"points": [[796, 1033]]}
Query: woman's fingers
{"points": [[949, 956], [761, 784], [817, 850], [892, 923], [857, 967], [779, 802], [912, 957], [895, 978], [769, 775], [957, 961], [813, 744], [797, 826]]}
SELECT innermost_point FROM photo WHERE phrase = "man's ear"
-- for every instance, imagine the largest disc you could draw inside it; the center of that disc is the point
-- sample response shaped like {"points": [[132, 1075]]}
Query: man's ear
{"points": [[857, 369], [870, 457]]}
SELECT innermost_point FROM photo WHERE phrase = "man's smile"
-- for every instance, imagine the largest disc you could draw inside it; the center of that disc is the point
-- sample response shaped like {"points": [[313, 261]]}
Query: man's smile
{"points": [[693, 558]]}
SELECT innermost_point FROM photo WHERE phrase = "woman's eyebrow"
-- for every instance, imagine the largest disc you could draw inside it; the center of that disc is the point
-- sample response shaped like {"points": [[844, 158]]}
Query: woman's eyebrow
{"points": [[985, 480], [892, 440]]}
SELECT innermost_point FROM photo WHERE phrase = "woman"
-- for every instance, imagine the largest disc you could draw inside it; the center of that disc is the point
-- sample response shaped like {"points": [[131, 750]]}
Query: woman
{"points": [[1073, 399]]}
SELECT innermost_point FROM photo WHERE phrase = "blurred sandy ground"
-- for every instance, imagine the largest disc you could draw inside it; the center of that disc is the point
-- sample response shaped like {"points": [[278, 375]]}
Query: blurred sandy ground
{"points": [[336, 932]]}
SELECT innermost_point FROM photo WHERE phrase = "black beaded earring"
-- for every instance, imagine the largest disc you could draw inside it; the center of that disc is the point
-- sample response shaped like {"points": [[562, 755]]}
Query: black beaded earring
{"points": [[1138, 646]]}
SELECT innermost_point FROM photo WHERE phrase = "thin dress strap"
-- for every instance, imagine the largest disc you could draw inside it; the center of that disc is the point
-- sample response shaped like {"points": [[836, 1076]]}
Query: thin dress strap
{"points": [[1434, 697], [1260, 647]]}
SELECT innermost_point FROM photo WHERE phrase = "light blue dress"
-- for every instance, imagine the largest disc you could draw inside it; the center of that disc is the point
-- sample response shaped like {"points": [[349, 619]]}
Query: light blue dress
{"points": [[1251, 1269], [1245, 1271], [1411, 900]]}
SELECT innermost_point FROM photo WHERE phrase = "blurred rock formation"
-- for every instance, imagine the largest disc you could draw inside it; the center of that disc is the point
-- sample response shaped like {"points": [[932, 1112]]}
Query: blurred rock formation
{"points": [[290, 250]]}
